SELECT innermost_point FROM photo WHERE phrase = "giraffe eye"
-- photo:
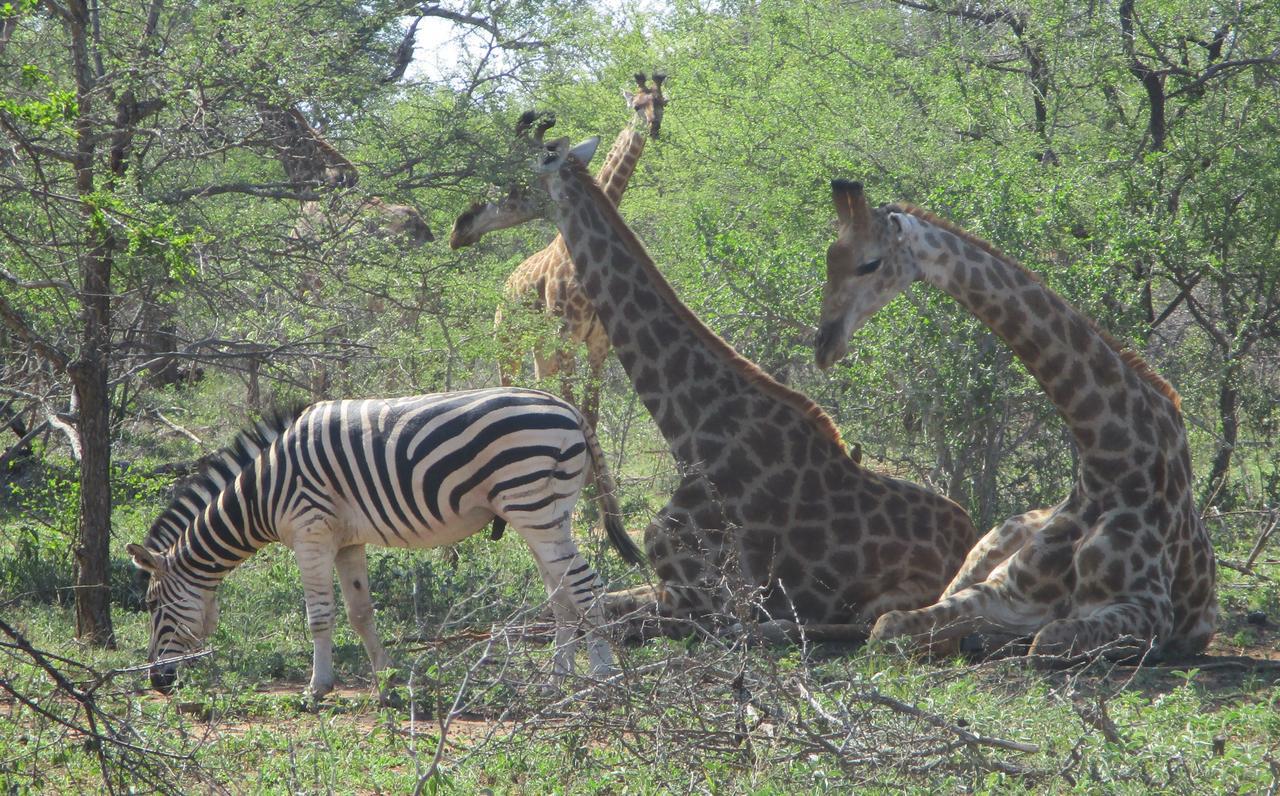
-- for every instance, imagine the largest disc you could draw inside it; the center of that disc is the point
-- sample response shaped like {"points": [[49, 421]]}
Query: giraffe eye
{"points": [[867, 268]]}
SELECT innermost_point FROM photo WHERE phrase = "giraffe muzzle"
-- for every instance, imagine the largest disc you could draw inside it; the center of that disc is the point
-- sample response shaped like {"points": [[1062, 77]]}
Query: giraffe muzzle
{"points": [[830, 345]]}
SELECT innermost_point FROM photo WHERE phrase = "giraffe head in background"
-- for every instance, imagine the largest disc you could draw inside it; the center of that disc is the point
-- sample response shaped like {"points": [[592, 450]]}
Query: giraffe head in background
{"points": [[648, 103]]}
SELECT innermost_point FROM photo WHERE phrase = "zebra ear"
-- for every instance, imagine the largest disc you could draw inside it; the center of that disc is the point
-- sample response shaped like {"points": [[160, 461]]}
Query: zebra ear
{"points": [[145, 559]]}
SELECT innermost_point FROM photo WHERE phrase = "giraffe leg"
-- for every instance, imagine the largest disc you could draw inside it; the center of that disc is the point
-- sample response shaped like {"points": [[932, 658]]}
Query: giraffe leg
{"points": [[1135, 624], [545, 365], [905, 595], [981, 608], [1125, 597], [597, 352], [353, 574], [637, 599], [1020, 595], [508, 356], [1000, 543], [566, 367]]}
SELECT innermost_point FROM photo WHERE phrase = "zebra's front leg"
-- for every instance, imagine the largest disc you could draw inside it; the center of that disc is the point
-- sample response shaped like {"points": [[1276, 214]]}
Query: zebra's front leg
{"points": [[573, 588], [353, 574], [315, 562]]}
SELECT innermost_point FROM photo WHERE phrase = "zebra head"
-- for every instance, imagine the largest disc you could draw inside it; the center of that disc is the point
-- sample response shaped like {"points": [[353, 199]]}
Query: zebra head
{"points": [[183, 614]]}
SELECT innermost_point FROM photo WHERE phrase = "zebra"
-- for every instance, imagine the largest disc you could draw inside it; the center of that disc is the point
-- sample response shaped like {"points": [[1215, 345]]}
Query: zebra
{"points": [[417, 472], [213, 473]]}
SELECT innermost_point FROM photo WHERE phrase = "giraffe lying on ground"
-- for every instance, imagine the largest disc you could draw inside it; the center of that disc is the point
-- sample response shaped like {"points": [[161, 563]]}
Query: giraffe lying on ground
{"points": [[1125, 554], [769, 499], [549, 274]]}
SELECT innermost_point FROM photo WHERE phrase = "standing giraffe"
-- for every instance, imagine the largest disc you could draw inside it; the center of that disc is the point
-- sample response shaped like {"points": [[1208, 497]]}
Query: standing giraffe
{"points": [[769, 498], [549, 275], [1125, 554]]}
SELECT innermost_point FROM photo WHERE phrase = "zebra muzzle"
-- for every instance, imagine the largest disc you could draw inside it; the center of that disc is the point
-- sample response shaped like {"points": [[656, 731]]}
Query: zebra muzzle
{"points": [[163, 677]]}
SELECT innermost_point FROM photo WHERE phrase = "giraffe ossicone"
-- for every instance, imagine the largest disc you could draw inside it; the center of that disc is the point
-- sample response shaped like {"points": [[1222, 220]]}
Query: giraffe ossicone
{"points": [[769, 505], [1125, 554]]}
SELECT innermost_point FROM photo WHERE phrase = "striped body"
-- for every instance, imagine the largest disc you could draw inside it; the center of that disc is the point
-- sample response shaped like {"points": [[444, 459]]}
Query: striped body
{"points": [[421, 471]]}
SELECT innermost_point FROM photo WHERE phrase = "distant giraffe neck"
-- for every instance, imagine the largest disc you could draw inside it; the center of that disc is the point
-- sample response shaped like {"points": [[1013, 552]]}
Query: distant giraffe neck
{"points": [[678, 366], [553, 261], [531, 273], [621, 162], [1090, 381], [228, 532]]}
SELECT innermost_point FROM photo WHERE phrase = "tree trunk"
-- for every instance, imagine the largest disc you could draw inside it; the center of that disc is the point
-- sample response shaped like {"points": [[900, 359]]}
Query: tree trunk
{"points": [[93, 555], [89, 372], [1228, 415]]}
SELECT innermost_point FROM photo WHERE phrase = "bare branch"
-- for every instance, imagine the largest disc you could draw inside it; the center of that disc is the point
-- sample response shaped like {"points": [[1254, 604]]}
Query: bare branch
{"points": [[17, 324], [268, 190], [483, 23], [34, 284], [1273, 59]]}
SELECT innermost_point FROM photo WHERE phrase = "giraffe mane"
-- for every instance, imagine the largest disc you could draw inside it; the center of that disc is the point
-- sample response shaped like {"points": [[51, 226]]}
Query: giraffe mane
{"points": [[1131, 359], [749, 370]]}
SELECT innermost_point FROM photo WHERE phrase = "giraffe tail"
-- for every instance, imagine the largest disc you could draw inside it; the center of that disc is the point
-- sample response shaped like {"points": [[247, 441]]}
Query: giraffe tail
{"points": [[607, 499]]}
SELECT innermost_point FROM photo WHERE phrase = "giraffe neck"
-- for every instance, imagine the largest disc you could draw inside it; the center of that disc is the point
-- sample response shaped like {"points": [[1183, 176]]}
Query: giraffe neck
{"points": [[1099, 391], [613, 178], [536, 268], [620, 163], [680, 368], [227, 533]]}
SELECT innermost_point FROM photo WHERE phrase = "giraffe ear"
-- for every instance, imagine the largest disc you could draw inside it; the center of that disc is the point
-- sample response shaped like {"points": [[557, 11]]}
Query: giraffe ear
{"points": [[586, 150], [628, 96]]}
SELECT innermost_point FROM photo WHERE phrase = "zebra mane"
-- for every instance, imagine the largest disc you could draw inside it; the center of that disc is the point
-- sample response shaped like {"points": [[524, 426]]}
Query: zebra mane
{"points": [[214, 471]]}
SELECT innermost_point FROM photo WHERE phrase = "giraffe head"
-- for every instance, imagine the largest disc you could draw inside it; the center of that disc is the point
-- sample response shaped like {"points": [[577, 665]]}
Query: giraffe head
{"points": [[648, 102], [871, 261], [522, 202]]}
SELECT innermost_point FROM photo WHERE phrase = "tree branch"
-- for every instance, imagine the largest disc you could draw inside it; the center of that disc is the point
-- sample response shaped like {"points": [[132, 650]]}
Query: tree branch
{"points": [[1214, 70], [34, 284], [17, 324], [484, 23], [269, 190]]}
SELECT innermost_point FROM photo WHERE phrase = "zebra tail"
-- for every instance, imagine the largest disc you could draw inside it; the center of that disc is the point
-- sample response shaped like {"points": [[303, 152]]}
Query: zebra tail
{"points": [[608, 501], [499, 526]]}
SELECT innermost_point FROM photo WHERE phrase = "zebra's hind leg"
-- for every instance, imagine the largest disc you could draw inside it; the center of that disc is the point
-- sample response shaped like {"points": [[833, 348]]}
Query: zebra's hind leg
{"points": [[315, 556], [353, 574], [573, 588]]}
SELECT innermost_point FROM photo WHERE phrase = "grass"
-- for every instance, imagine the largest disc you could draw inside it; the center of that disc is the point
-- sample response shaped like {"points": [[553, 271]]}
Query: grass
{"points": [[688, 717]]}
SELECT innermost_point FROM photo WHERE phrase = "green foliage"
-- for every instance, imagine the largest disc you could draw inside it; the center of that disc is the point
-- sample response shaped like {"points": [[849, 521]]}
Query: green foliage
{"points": [[1171, 248], [53, 111]]}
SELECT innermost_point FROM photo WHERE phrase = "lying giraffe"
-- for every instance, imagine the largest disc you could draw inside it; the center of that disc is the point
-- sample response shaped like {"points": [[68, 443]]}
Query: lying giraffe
{"points": [[1125, 554], [549, 274], [769, 498]]}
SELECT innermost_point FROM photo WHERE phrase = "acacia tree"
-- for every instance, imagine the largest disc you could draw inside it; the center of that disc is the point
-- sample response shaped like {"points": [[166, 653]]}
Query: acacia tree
{"points": [[140, 169]]}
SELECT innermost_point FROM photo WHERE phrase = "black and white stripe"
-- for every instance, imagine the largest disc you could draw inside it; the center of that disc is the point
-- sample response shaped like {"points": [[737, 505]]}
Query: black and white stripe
{"points": [[421, 471], [213, 473]]}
